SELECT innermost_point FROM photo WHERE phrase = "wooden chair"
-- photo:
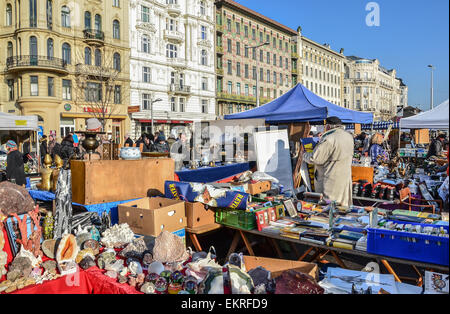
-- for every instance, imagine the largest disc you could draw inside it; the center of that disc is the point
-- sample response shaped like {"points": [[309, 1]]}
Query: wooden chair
{"points": [[407, 199]]}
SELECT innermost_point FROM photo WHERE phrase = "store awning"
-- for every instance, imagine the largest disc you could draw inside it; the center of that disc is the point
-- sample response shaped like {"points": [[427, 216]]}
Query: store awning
{"points": [[436, 119], [13, 122], [87, 116]]}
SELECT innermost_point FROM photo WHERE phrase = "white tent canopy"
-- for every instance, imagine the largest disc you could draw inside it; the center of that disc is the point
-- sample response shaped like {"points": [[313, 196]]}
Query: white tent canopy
{"points": [[436, 119], [15, 123]]}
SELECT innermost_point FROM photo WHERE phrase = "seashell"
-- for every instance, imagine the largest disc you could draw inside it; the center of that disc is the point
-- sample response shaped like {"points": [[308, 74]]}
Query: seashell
{"points": [[67, 249]]}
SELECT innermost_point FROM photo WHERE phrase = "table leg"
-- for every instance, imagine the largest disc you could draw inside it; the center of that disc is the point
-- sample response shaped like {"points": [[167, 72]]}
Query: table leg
{"points": [[338, 260], [194, 240], [420, 280], [277, 248], [390, 269], [234, 244], [247, 244], [318, 252], [306, 254]]}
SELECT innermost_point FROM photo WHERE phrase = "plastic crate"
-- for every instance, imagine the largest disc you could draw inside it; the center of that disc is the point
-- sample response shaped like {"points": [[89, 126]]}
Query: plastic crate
{"points": [[426, 248], [235, 218]]}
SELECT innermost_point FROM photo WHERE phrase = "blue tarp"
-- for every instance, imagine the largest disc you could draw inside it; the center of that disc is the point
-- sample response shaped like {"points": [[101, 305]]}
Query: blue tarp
{"points": [[302, 105], [208, 174]]}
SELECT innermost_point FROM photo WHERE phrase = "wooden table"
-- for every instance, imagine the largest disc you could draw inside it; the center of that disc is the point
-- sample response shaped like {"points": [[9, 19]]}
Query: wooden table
{"points": [[193, 232], [321, 250]]}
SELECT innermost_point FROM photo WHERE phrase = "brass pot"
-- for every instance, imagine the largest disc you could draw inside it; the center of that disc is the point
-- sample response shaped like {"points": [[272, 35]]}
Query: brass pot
{"points": [[90, 143]]}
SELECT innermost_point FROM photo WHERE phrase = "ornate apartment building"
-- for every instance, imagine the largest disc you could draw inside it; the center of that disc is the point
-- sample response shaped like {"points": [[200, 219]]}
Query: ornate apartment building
{"points": [[50, 51], [239, 66], [370, 87], [321, 69], [171, 64]]}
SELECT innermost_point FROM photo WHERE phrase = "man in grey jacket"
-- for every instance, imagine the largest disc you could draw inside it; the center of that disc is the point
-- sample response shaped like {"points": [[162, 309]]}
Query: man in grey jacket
{"points": [[332, 158]]}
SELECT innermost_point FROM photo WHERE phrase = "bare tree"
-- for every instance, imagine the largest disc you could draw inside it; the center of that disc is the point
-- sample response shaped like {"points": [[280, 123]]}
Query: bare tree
{"points": [[96, 83]]}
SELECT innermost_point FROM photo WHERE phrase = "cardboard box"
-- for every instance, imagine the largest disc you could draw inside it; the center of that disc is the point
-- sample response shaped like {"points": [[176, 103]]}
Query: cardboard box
{"points": [[278, 266], [198, 216], [259, 187], [151, 216], [106, 181], [362, 173]]}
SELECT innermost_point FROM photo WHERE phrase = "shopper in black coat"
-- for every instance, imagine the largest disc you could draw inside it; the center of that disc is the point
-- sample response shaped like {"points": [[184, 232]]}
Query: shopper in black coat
{"points": [[67, 148], [15, 168]]}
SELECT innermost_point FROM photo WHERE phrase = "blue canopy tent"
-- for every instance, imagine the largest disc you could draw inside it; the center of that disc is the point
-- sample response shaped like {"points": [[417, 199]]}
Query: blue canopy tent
{"points": [[302, 105]]}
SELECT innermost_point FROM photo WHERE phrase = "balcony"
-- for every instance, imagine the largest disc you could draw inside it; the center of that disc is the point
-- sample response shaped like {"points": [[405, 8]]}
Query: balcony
{"points": [[236, 98], [94, 37], [219, 28], [294, 71], [174, 10], [205, 43], [219, 50], [146, 26], [219, 72], [364, 80], [294, 55], [179, 89], [173, 36], [177, 63], [22, 63], [94, 71]]}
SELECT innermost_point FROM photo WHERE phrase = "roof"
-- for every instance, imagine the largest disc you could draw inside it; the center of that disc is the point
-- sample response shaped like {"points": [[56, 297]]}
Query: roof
{"points": [[255, 14], [324, 46]]}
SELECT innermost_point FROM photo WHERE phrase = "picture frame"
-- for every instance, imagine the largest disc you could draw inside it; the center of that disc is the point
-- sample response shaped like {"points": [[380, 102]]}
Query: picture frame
{"points": [[13, 232], [290, 208]]}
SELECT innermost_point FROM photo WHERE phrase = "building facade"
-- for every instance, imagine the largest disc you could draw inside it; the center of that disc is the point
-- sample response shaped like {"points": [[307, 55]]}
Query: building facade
{"points": [[321, 69], [370, 87], [171, 64], [241, 69], [48, 45]]}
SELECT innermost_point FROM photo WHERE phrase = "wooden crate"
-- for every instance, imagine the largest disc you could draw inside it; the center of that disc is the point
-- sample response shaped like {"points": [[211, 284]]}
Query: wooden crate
{"points": [[105, 181], [362, 173]]}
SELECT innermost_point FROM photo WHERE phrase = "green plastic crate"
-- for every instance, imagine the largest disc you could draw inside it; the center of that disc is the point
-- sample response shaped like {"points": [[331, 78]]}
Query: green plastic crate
{"points": [[236, 218]]}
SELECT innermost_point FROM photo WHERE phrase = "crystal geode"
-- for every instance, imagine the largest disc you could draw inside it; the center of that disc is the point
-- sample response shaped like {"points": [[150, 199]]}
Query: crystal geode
{"points": [[135, 249], [117, 236], [87, 262], [169, 248], [14, 199]]}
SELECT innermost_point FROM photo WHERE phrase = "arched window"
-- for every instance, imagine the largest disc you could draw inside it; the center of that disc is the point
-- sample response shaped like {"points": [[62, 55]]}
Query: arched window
{"points": [[50, 49], [49, 14], [171, 51], [87, 20], [66, 53], [9, 50], [65, 16], [8, 15], [98, 57], [145, 44], [87, 56], [117, 62], [33, 50], [116, 29], [98, 22], [204, 57]]}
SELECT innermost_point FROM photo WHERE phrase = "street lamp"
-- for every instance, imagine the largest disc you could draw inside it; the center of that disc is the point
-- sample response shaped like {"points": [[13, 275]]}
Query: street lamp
{"points": [[151, 108], [257, 87], [432, 86]]}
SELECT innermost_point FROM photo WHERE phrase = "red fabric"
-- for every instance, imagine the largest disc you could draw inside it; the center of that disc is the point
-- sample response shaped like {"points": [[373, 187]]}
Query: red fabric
{"points": [[7, 250], [105, 285], [176, 178], [231, 179]]}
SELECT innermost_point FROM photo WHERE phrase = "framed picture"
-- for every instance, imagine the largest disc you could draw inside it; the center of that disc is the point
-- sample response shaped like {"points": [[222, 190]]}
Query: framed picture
{"points": [[13, 231], [290, 208]]}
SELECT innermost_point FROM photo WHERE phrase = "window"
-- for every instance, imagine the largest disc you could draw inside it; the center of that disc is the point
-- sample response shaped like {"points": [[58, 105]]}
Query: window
{"points": [[51, 86], [33, 51], [181, 104], [202, 8], [268, 76], [65, 17], [254, 54], [246, 51], [33, 13], [246, 31], [87, 56], [238, 28], [34, 89], [204, 57], [274, 77], [116, 29], [66, 53], [261, 56], [98, 57], [254, 73], [145, 101], [261, 74], [98, 22], [93, 92], [246, 90], [50, 49], [10, 90], [67, 89], [171, 51], [203, 32], [87, 20], [173, 104], [146, 74], [246, 71], [204, 106], [253, 34], [281, 61], [229, 25], [49, 14], [268, 57], [229, 46], [238, 48], [230, 108], [254, 90], [281, 78], [358, 90], [238, 88], [230, 87], [117, 94], [117, 62], [144, 44], [238, 69], [275, 59], [116, 3], [204, 83], [229, 67], [8, 15], [145, 14]]}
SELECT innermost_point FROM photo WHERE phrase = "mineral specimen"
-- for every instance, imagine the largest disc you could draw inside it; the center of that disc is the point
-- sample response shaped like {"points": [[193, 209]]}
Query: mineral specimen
{"points": [[68, 267], [262, 277], [148, 288], [156, 267], [292, 282], [176, 277], [49, 248], [117, 236], [122, 279], [48, 226], [111, 274], [14, 199], [106, 258], [169, 248], [115, 266], [83, 253], [135, 267], [50, 266], [92, 244], [35, 261], [140, 278], [135, 249], [152, 277], [241, 282], [87, 262], [132, 281], [67, 249], [21, 265]]}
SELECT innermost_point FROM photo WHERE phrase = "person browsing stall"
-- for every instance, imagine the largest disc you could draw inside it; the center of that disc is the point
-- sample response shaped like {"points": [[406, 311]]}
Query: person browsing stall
{"points": [[332, 158], [437, 146], [15, 171]]}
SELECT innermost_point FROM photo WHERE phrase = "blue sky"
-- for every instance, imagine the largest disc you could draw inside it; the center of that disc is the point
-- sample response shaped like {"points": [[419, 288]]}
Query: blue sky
{"points": [[412, 34]]}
